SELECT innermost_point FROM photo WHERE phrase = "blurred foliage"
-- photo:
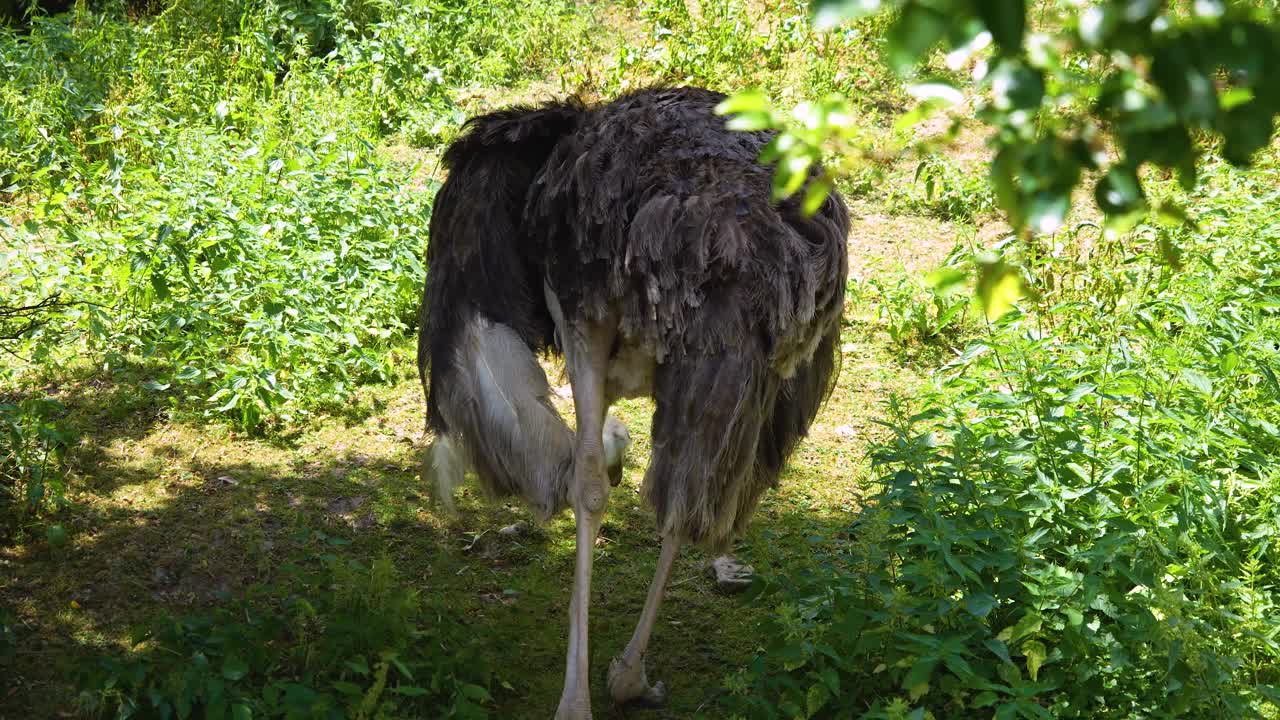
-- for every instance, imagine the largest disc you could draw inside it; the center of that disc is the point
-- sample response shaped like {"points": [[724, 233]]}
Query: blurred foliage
{"points": [[1073, 91]]}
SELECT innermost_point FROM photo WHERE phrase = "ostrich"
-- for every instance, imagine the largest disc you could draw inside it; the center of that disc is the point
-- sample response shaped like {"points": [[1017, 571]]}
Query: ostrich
{"points": [[638, 239]]}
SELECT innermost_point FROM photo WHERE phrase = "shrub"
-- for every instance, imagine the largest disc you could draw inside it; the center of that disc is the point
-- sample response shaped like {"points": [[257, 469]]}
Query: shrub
{"points": [[1078, 523], [33, 440]]}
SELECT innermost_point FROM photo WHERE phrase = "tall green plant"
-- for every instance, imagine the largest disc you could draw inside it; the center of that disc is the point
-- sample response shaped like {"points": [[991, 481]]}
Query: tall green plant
{"points": [[202, 184], [1080, 521]]}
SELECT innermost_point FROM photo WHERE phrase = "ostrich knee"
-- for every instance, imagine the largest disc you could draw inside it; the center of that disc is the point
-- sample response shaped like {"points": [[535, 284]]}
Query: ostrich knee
{"points": [[587, 353]]}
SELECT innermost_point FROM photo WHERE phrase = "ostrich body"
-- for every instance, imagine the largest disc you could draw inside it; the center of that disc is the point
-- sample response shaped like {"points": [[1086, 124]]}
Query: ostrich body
{"points": [[638, 239]]}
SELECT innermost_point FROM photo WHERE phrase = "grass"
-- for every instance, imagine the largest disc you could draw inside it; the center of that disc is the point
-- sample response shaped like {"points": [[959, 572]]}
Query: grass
{"points": [[171, 515]]}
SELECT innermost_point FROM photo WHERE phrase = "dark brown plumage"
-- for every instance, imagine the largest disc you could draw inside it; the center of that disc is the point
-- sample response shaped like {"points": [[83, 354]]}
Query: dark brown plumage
{"points": [[643, 222]]}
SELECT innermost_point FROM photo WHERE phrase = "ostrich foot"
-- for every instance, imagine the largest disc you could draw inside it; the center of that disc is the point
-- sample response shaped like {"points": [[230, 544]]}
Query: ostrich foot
{"points": [[616, 441], [628, 684], [730, 575]]}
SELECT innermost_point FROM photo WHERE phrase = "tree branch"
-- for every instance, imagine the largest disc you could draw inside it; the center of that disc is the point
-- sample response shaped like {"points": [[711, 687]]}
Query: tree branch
{"points": [[27, 316]]}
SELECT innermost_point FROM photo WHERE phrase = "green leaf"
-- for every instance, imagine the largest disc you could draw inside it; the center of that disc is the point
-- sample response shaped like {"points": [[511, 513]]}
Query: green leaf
{"points": [[391, 657], [945, 280], [474, 692], [1003, 180], [752, 101], [998, 287], [56, 535], [815, 699], [1247, 129], [1016, 86], [986, 698], [750, 122], [830, 13], [1120, 191], [1036, 654], [1029, 623], [1000, 650], [831, 678], [1080, 391], [790, 175], [1169, 252], [1171, 214], [1006, 20], [1235, 96], [160, 286], [979, 604], [1198, 380], [410, 690], [919, 673], [234, 668], [915, 31], [348, 688], [187, 374], [816, 194], [1047, 211]]}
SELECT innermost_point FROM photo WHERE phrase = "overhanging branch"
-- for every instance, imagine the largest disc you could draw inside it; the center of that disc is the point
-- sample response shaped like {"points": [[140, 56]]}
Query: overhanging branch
{"points": [[27, 317]]}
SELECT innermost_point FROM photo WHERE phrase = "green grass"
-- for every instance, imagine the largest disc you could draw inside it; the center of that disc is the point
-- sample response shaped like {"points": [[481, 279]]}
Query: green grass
{"points": [[167, 515]]}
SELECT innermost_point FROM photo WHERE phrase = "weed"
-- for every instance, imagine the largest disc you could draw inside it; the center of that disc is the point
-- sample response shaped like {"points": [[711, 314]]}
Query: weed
{"points": [[1072, 525], [33, 440], [343, 641], [914, 312], [944, 190]]}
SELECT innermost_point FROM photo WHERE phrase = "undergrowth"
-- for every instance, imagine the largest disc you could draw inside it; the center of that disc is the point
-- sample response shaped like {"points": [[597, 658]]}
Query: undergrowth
{"points": [[343, 639], [202, 191], [1079, 521]]}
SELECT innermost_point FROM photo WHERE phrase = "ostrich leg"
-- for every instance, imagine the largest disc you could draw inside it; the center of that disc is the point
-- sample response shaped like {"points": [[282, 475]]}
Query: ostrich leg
{"points": [[627, 681], [587, 352]]}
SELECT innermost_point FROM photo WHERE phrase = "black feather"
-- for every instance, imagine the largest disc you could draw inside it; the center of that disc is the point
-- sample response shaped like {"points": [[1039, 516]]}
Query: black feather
{"points": [[649, 211]]}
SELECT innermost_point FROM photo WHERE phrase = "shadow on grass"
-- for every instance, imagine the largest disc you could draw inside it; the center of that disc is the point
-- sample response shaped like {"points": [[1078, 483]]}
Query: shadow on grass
{"points": [[183, 519]]}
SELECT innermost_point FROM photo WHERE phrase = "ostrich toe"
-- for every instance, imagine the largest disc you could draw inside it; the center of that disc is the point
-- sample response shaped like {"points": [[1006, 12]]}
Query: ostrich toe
{"points": [[628, 684]]}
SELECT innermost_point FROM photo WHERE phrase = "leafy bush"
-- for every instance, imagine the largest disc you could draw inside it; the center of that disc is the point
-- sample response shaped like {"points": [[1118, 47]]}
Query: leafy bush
{"points": [[33, 440], [949, 192], [1148, 76], [253, 275], [202, 185], [1080, 522], [347, 641], [914, 312]]}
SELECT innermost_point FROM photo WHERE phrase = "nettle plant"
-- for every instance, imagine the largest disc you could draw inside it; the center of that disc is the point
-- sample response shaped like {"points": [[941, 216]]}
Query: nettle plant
{"points": [[259, 280], [1073, 92], [1080, 521]]}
